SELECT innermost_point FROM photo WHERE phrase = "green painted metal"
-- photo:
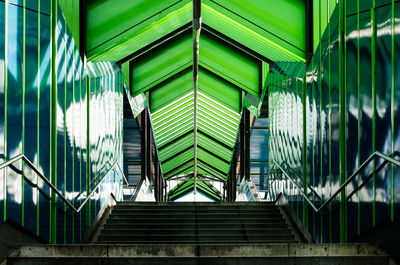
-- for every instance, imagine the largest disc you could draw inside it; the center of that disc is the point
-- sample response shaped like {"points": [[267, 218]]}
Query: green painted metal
{"points": [[392, 111], [230, 64], [70, 9], [148, 71], [359, 97], [342, 111], [113, 33], [322, 11], [330, 131], [53, 119], [373, 97], [118, 28], [358, 116], [23, 109], [249, 35], [38, 122], [232, 71], [88, 147], [187, 186], [43, 103], [259, 21], [5, 106]]}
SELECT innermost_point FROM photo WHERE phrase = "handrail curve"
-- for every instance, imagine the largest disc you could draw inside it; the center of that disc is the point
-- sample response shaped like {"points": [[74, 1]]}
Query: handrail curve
{"points": [[59, 194], [376, 154]]}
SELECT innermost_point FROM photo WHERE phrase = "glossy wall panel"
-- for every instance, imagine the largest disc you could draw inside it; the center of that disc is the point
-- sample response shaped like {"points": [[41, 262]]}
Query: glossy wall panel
{"points": [[285, 128], [25, 124], [396, 108], [371, 96]]}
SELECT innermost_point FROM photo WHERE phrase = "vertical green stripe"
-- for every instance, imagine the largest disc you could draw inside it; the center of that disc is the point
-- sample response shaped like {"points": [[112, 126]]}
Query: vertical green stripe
{"points": [[392, 119], [23, 110], [359, 118], [65, 128], [297, 128], [313, 141], [53, 120], [5, 107], [80, 155], [345, 115], [73, 145], [320, 118], [88, 146], [38, 125], [305, 205], [342, 112], [373, 78], [330, 132]]}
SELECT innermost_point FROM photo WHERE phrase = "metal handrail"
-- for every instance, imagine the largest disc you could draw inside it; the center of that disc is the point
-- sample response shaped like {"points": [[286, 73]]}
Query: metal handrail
{"points": [[374, 155], [270, 171], [41, 175]]}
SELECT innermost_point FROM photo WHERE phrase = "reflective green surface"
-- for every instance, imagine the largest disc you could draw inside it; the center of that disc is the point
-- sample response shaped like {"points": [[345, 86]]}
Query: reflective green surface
{"points": [[154, 42], [25, 123], [371, 105]]}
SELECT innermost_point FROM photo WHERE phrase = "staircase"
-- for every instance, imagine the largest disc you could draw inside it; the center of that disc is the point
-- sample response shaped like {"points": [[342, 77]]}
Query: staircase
{"points": [[196, 223], [198, 233]]}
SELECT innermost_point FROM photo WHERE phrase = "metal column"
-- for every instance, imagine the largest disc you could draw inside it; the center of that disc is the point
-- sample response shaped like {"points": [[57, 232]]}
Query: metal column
{"points": [[245, 145], [196, 37]]}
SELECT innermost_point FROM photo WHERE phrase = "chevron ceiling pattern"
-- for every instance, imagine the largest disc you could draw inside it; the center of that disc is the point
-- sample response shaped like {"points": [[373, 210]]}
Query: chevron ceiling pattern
{"points": [[153, 40]]}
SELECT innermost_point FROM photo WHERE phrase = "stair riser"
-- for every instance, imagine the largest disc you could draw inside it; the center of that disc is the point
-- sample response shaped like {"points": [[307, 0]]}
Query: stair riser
{"points": [[199, 209], [199, 216], [193, 226], [193, 232], [192, 221], [193, 238], [189, 209], [203, 261]]}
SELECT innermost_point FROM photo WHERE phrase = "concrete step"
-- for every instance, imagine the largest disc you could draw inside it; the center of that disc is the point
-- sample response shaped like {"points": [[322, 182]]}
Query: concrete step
{"points": [[196, 209], [195, 222], [236, 254], [130, 225], [193, 238], [366, 260], [191, 208], [197, 215], [177, 231], [116, 219], [197, 204]]}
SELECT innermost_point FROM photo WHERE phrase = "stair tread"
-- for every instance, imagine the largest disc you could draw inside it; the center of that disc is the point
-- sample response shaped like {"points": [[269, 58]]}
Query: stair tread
{"points": [[192, 223]]}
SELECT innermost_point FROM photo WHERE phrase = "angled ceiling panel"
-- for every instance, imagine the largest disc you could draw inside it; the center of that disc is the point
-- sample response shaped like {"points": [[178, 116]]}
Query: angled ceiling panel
{"points": [[269, 17], [187, 186], [179, 160], [231, 64], [252, 36], [153, 41], [117, 28], [165, 61], [216, 91], [175, 148]]}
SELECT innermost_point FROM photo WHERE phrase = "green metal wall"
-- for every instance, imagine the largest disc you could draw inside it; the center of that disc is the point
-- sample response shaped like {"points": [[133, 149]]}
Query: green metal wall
{"points": [[52, 118], [322, 11], [285, 87], [351, 103], [70, 9]]}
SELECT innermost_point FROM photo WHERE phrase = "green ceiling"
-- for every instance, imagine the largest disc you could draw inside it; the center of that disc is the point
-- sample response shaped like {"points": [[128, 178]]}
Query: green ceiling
{"points": [[153, 41]]}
